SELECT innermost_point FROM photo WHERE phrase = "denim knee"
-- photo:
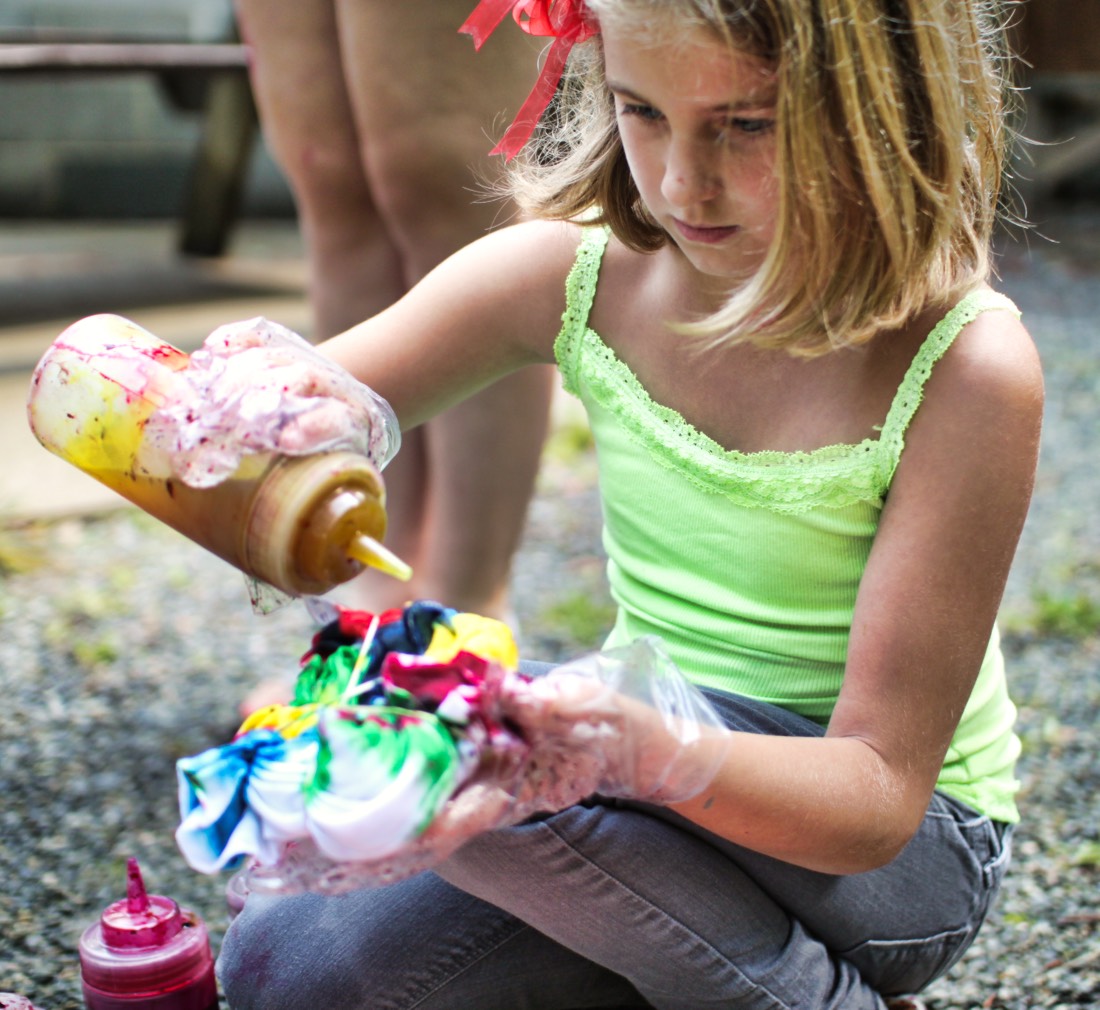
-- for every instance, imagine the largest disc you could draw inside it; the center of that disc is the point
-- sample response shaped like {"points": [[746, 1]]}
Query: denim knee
{"points": [[258, 966]]}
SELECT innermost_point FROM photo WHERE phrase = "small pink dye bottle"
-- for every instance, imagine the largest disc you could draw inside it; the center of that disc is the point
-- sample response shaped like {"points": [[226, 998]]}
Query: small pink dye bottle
{"points": [[146, 953]]}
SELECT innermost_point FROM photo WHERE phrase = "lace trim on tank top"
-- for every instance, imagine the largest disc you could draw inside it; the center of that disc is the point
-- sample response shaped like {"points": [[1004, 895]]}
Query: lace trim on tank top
{"points": [[833, 476]]}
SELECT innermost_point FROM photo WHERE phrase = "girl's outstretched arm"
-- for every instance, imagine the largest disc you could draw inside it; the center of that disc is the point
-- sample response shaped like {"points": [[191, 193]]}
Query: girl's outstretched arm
{"points": [[850, 801], [491, 308]]}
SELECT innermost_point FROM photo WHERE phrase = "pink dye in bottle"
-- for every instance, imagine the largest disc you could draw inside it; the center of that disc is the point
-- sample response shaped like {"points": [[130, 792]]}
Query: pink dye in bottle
{"points": [[147, 953]]}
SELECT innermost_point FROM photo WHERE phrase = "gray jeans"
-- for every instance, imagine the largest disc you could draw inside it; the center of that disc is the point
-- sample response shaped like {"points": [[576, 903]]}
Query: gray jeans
{"points": [[618, 904]]}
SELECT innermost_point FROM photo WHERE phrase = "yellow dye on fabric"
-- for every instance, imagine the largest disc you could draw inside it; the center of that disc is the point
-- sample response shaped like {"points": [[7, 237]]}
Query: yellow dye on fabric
{"points": [[473, 633], [288, 721]]}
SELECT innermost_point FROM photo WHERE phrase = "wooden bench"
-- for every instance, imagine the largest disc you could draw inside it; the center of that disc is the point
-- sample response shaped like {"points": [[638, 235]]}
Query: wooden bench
{"points": [[207, 77]]}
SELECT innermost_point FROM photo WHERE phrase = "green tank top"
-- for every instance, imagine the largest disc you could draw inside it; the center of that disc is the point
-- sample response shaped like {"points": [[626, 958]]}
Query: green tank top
{"points": [[747, 565]]}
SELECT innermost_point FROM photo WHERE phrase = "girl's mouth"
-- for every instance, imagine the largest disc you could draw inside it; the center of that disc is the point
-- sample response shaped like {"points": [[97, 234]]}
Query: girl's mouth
{"points": [[707, 235]]}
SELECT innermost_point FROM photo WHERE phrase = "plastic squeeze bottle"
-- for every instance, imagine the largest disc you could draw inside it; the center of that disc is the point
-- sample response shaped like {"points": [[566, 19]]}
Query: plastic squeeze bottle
{"points": [[303, 524], [147, 953]]}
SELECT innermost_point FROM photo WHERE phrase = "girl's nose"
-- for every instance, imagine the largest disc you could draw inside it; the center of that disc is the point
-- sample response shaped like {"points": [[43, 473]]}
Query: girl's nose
{"points": [[691, 174]]}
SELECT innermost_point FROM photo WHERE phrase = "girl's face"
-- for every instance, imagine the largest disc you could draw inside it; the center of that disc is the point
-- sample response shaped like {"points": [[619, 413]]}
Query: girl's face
{"points": [[697, 123]]}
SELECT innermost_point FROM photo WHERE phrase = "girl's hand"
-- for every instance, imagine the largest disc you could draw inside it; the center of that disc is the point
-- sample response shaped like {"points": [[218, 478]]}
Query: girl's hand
{"points": [[256, 387], [622, 723], [586, 735], [619, 725]]}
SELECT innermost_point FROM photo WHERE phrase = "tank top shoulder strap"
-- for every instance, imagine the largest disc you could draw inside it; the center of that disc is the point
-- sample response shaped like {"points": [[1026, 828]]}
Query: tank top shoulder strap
{"points": [[943, 334], [580, 292]]}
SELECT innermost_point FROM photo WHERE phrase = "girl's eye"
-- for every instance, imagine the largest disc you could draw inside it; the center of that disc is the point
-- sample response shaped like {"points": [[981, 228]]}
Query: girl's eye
{"points": [[732, 127], [646, 112]]}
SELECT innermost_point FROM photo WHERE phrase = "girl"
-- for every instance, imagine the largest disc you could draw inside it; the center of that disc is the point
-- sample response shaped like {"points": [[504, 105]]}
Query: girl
{"points": [[817, 431]]}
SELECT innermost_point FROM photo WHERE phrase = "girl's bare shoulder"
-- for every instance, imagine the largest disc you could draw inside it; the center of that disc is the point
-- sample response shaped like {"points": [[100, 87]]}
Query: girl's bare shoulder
{"points": [[981, 415], [992, 366]]}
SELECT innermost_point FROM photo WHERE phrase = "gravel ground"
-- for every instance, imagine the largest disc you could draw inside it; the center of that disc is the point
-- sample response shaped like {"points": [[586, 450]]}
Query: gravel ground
{"points": [[124, 647]]}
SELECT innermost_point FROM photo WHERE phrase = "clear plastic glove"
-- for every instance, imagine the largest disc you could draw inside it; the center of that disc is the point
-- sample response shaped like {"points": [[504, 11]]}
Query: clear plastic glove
{"points": [[623, 722], [256, 387]]}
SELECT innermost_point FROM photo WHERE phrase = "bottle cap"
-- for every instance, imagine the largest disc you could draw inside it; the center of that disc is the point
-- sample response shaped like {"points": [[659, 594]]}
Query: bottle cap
{"points": [[139, 919], [306, 517]]}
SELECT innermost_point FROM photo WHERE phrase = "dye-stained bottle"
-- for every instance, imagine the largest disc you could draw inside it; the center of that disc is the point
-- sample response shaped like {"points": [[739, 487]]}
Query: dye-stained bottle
{"points": [[147, 953], [303, 524]]}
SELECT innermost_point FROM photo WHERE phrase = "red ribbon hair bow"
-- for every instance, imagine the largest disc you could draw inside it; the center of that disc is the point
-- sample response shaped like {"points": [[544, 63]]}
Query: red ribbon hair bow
{"points": [[565, 21]]}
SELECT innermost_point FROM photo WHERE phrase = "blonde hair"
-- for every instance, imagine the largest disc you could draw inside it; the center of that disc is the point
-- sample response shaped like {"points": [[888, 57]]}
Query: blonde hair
{"points": [[891, 141]]}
